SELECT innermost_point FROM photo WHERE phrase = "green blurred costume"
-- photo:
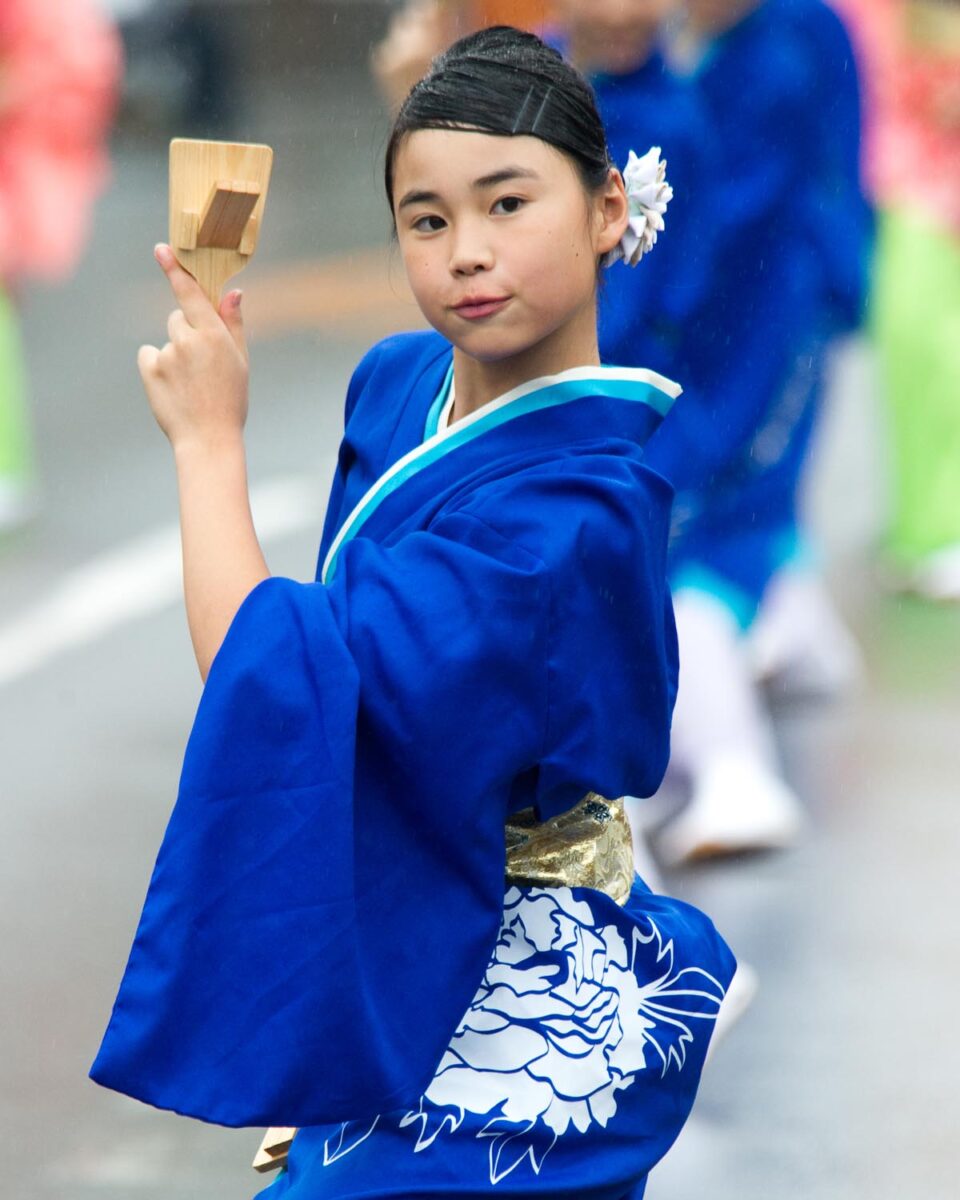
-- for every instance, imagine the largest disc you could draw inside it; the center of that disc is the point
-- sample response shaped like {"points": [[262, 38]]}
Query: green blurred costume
{"points": [[916, 316]]}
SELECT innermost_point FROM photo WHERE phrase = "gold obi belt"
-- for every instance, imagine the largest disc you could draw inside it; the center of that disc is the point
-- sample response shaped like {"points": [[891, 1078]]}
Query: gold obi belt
{"points": [[587, 846]]}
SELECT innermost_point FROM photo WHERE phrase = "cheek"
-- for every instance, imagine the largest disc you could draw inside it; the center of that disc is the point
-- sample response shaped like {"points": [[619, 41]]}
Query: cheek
{"points": [[424, 273], [561, 269]]}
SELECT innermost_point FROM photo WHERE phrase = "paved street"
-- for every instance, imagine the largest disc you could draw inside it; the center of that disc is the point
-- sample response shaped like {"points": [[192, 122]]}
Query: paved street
{"points": [[842, 1079]]}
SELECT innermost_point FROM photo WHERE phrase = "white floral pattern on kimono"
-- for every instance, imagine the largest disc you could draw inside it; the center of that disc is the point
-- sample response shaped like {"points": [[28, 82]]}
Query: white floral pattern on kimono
{"points": [[567, 1015]]}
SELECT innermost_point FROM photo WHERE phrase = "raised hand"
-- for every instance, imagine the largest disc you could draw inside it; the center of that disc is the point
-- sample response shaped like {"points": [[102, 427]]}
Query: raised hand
{"points": [[197, 384]]}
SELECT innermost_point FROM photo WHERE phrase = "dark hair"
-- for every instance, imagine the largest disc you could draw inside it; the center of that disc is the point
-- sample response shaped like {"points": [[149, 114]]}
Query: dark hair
{"points": [[507, 83]]}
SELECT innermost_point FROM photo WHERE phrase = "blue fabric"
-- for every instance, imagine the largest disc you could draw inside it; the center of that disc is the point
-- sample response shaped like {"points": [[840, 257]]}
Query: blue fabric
{"points": [[743, 528], [587, 1137], [330, 886], [839, 221], [784, 268], [550, 392], [645, 312]]}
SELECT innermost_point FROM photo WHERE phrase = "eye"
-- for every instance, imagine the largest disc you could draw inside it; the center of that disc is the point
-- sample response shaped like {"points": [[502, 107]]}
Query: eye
{"points": [[429, 224], [508, 205]]}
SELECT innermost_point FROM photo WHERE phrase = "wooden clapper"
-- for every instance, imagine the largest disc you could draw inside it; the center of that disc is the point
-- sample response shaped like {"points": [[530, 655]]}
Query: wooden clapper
{"points": [[217, 194], [273, 1149]]}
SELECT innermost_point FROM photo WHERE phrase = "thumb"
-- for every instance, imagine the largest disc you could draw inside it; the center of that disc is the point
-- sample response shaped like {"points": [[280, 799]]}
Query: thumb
{"points": [[233, 318]]}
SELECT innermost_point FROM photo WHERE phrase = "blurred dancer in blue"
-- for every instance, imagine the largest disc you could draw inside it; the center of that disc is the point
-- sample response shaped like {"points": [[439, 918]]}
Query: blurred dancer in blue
{"points": [[798, 640], [778, 80], [359, 922], [645, 314]]}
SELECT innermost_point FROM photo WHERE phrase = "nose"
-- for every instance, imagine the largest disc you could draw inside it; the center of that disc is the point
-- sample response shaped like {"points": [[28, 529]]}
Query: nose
{"points": [[470, 251]]}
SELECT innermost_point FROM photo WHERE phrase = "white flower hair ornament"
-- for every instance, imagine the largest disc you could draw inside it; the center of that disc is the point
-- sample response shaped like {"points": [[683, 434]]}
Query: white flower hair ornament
{"points": [[648, 194]]}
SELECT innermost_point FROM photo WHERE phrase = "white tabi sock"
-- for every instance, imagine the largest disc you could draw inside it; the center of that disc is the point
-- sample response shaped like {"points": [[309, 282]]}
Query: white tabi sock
{"points": [[723, 741]]}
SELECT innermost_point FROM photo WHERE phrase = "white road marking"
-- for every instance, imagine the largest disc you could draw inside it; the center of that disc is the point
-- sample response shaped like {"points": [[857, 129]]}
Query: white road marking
{"points": [[134, 580]]}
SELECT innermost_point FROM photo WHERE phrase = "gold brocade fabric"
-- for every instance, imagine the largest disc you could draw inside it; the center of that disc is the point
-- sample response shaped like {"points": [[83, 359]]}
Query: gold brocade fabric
{"points": [[588, 846]]}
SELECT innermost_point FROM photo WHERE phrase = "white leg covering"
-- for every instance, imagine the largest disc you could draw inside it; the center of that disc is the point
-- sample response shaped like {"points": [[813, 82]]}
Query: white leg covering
{"points": [[717, 714], [723, 741], [799, 642]]}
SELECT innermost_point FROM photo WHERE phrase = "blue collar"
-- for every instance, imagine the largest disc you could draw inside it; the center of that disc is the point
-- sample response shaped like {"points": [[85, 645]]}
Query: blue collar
{"points": [[632, 384]]}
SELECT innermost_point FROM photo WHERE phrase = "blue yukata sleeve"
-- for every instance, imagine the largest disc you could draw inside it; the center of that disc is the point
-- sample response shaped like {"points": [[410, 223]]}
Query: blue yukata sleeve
{"points": [[331, 881], [358, 381]]}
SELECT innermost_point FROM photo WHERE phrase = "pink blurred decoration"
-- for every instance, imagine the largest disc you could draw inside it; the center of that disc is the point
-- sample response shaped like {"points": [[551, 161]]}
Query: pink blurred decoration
{"points": [[60, 67], [913, 111]]}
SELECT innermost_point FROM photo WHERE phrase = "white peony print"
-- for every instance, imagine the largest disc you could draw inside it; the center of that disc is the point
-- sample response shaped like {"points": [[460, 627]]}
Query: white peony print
{"points": [[568, 1013]]}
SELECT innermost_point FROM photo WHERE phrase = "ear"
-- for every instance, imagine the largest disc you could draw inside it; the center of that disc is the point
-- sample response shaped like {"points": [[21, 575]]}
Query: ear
{"points": [[612, 212]]}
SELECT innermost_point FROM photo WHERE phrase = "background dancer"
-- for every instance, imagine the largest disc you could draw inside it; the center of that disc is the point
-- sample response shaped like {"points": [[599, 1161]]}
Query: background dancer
{"points": [[787, 115]]}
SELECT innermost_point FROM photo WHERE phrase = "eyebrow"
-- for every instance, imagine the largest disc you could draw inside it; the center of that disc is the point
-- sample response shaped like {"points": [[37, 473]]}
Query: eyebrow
{"points": [[485, 181]]}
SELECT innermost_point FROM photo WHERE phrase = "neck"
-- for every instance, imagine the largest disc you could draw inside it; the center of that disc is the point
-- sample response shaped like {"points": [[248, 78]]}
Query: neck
{"points": [[591, 54], [477, 382]]}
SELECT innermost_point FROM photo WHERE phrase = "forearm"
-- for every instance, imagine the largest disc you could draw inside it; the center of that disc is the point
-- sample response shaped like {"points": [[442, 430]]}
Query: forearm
{"points": [[222, 559]]}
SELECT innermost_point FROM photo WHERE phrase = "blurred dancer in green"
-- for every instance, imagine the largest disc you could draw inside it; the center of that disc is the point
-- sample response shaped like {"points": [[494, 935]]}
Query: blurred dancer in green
{"points": [[59, 69], [913, 50]]}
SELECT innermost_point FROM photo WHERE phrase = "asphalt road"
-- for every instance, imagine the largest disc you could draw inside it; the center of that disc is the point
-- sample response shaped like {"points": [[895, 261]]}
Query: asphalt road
{"points": [[841, 1080]]}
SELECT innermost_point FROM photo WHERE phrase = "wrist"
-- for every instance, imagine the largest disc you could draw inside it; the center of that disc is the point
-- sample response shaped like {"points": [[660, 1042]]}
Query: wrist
{"points": [[205, 448]]}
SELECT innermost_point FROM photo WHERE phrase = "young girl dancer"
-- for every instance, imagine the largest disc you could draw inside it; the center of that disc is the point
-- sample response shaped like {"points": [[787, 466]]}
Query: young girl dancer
{"points": [[329, 941]]}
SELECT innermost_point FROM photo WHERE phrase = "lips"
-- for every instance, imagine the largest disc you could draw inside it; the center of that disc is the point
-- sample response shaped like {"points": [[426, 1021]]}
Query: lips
{"points": [[475, 307]]}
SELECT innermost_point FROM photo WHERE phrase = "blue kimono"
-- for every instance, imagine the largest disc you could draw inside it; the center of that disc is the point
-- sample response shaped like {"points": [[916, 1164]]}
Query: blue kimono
{"points": [[789, 272], [326, 942]]}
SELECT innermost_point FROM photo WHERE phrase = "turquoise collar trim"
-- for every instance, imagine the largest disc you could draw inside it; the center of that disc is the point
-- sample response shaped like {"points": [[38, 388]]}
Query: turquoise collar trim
{"points": [[622, 383]]}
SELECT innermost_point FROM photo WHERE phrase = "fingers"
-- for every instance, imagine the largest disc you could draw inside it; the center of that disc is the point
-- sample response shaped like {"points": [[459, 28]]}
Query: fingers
{"points": [[147, 360], [177, 326], [191, 297], [232, 317]]}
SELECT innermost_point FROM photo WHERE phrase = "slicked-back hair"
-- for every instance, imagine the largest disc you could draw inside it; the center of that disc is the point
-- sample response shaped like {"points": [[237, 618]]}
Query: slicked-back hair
{"points": [[508, 83]]}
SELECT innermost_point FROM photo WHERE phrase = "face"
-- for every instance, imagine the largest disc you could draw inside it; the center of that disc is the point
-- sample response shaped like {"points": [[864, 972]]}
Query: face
{"points": [[613, 35], [499, 238], [715, 16]]}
